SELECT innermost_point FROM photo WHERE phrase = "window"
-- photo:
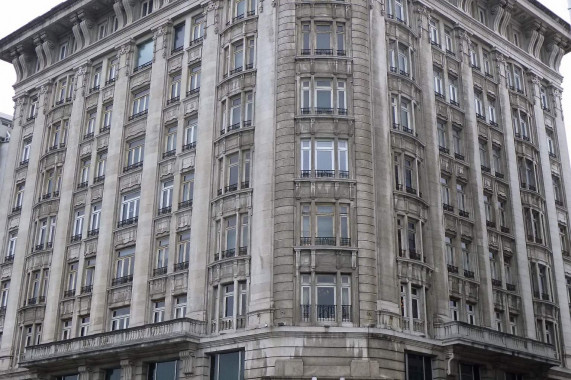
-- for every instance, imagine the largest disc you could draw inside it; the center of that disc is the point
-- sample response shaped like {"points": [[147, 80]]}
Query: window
{"points": [[178, 38], [88, 275], [453, 91], [175, 88], [466, 258], [474, 59], [96, 79], [448, 41], [323, 39], [11, 250], [483, 148], [113, 374], [445, 193], [396, 9], [33, 107], [107, 114], [125, 264], [84, 173], [146, 8], [450, 256], [198, 27], [161, 262], [4, 292], [19, 197], [433, 31], [323, 99], [180, 306], [63, 51], [165, 203], [101, 31], [112, 70], [543, 98], [487, 66], [492, 113], [438, 83], [228, 306], [158, 312], [140, 103], [183, 253], [144, 54], [66, 329], [26, 151], [194, 80], [120, 318], [513, 324], [498, 321], [453, 307], [402, 109], [471, 313], [84, 325], [494, 265], [497, 159], [227, 366], [130, 206], [469, 372], [164, 370], [418, 367], [479, 105], [71, 278], [187, 189], [482, 16]]}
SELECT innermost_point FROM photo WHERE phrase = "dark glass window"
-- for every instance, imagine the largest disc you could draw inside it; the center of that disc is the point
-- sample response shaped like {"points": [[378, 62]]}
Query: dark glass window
{"points": [[68, 377], [144, 53], [178, 36], [418, 367], [513, 376], [113, 374], [163, 370], [227, 366], [469, 372]]}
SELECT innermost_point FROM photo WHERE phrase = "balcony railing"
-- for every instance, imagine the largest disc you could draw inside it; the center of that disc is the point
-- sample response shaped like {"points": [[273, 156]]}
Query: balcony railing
{"points": [[485, 169], [325, 313], [86, 289], [460, 333], [82, 185], [232, 187], [149, 335], [143, 66], [98, 179], [490, 224], [9, 259], [305, 241], [169, 153], [345, 242], [185, 204], [325, 173], [104, 128], [452, 269], [243, 251], [128, 221], [325, 241], [122, 280], [138, 115], [88, 135], [305, 311], [189, 146], [464, 213], [133, 166], [496, 282], [165, 210], [510, 287], [75, 238], [181, 266], [447, 207], [160, 271], [499, 175], [17, 209], [468, 273], [193, 91], [69, 293], [505, 229]]}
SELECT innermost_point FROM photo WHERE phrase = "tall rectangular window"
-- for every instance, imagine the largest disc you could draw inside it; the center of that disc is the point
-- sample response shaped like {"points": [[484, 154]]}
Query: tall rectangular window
{"points": [[187, 190], [162, 258], [227, 366], [178, 37], [183, 252], [198, 27], [180, 306], [125, 263], [166, 195], [135, 152], [144, 53], [130, 206], [418, 367], [158, 311], [140, 102], [120, 318], [194, 80]]}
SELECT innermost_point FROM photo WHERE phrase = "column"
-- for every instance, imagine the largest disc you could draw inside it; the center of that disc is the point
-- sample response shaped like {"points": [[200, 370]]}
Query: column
{"points": [[388, 309], [480, 242], [199, 235], [552, 226], [515, 195], [65, 217], [13, 157], [433, 245], [262, 233], [149, 183], [109, 204]]}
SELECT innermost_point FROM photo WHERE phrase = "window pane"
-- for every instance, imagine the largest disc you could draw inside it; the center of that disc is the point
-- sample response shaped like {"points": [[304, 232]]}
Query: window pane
{"points": [[145, 53], [326, 295], [165, 371]]}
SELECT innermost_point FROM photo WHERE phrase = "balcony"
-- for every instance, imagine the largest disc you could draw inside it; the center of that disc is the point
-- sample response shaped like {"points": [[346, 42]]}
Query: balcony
{"points": [[325, 173], [75, 238], [325, 313], [459, 156], [160, 271], [497, 283], [122, 280], [345, 242], [228, 253], [104, 128], [169, 153], [230, 188], [108, 345], [499, 175], [325, 241], [490, 341], [490, 224], [173, 100], [82, 185], [185, 204], [193, 91], [181, 266], [444, 150], [485, 169], [463, 213], [93, 232], [243, 251], [110, 80], [24, 162], [505, 230], [98, 179], [143, 66], [69, 293], [305, 241], [138, 115], [133, 166], [17, 209], [510, 287], [452, 269], [9, 259], [468, 273], [454, 103], [128, 221], [165, 210], [189, 146], [88, 135], [93, 89], [447, 207], [87, 289]]}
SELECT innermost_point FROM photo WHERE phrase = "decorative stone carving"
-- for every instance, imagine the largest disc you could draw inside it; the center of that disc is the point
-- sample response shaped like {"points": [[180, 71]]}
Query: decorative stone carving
{"points": [[135, 128], [126, 236], [191, 106], [130, 181], [73, 252]]}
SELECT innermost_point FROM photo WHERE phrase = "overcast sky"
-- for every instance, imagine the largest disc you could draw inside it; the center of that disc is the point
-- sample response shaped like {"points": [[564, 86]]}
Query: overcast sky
{"points": [[17, 13]]}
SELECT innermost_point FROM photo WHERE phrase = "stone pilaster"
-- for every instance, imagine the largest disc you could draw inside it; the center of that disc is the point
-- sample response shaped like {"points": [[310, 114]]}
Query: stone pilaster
{"points": [[551, 220], [148, 207], [261, 247], [524, 282], [105, 250], [480, 243], [65, 211], [388, 309], [200, 246]]}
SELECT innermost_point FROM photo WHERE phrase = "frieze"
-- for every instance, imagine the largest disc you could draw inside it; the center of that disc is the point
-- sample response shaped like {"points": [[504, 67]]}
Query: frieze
{"points": [[188, 162], [130, 181], [38, 260], [66, 307], [167, 169], [84, 305], [157, 286], [73, 252], [194, 53], [183, 220], [92, 100], [103, 142], [6, 270], [135, 128], [120, 295], [191, 106], [21, 174], [175, 63], [162, 226], [14, 222], [126, 236], [108, 93], [97, 193], [140, 79], [85, 149], [171, 113], [180, 283], [79, 198], [32, 315], [90, 247]]}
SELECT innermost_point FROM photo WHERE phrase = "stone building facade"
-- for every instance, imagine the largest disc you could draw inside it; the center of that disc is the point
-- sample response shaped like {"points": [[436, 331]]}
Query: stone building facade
{"points": [[284, 189]]}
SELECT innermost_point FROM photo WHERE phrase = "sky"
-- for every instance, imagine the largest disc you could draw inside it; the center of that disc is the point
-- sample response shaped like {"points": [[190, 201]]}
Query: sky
{"points": [[17, 13]]}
